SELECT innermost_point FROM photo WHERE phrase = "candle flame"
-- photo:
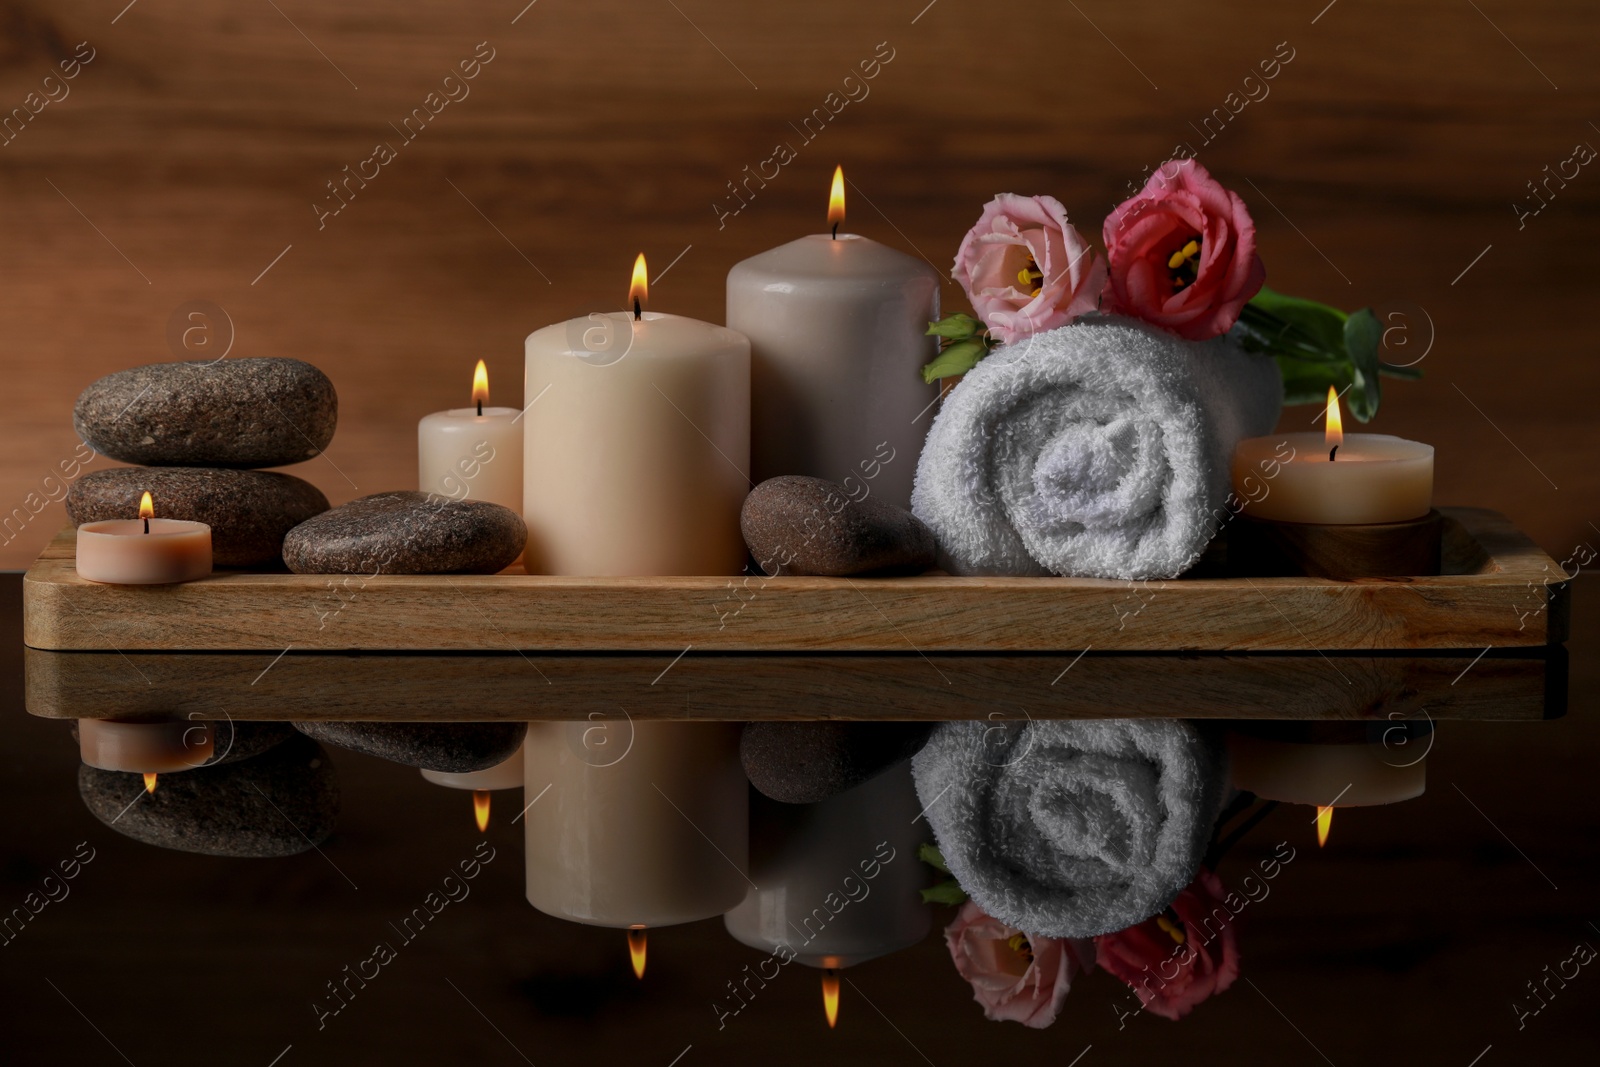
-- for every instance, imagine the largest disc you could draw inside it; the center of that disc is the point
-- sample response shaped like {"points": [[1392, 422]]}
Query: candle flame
{"points": [[147, 507], [639, 287], [480, 384], [636, 949], [1333, 434], [1324, 824], [836, 199], [149, 779], [480, 808], [830, 996]]}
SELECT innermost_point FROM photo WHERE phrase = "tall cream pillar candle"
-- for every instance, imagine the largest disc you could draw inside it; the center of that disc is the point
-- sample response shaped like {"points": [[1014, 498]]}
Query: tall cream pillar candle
{"points": [[636, 444], [635, 824], [837, 329], [472, 453], [838, 881]]}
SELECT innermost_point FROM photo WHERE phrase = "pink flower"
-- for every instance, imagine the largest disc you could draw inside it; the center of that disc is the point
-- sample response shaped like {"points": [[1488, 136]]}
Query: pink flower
{"points": [[1174, 964], [1014, 975], [1026, 269], [1183, 254]]}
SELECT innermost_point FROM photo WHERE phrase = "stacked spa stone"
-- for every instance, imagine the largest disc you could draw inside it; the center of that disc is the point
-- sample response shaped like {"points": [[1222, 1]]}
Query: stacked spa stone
{"points": [[266, 791], [200, 430]]}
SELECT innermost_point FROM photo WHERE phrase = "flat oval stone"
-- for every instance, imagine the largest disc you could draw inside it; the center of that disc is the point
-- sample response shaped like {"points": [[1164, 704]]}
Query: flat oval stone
{"points": [[808, 762], [407, 532], [249, 512], [263, 412], [282, 802], [452, 747], [799, 525]]}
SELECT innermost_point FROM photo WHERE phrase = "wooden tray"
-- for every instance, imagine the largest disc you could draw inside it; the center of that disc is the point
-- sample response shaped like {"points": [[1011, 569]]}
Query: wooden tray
{"points": [[1499, 590]]}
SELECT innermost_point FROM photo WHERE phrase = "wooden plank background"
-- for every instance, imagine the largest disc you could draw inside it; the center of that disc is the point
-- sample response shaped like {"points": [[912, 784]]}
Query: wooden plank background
{"points": [[184, 159]]}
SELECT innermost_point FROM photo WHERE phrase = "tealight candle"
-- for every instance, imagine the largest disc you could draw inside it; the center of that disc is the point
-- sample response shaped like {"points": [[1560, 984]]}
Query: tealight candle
{"points": [[143, 551], [838, 337], [144, 747], [638, 459], [1334, 505], [504, 775], [472, 453]]}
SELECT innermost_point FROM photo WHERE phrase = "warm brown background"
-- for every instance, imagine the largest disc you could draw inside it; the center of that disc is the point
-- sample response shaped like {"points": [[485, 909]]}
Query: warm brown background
{"points": [[197, 140]]}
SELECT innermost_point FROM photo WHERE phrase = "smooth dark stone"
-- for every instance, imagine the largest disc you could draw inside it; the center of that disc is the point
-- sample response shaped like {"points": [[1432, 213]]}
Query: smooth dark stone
{"points": [[800, 525], [407, 532], [280, 803], [249, 512], [453, 747], [234, 741], [808, 762], [264, 412]]}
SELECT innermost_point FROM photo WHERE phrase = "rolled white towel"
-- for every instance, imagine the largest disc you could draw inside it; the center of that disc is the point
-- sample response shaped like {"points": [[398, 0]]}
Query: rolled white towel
{"points": [[1099, 450], [1072, 828]]}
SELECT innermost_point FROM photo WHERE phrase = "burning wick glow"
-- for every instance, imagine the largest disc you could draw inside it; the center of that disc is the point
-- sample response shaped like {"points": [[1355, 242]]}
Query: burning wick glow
{"points": [[147, 510], [1333, 434], [836, 201], [830, 996], [480, 808], [480, 386], [149, 782], [1324, 824], [639, 287], [636, 949]]}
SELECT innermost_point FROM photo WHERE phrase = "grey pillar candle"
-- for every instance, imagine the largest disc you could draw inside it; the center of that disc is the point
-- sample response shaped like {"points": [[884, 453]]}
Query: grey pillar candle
{"points": [[837, 341], [838, 881]]}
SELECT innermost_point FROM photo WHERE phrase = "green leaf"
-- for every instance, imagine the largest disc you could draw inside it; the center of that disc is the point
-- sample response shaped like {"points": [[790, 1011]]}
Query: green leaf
{"points": [[957, 327], [931, 855], [1408, 373], [945, 893], [1320, 325], [1306, 382], [955, 359], [1362, 337]]}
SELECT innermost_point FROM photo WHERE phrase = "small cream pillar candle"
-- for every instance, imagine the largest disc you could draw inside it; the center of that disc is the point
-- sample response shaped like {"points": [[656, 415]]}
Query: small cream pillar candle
{"points": [[838, 881], [1331, 764], [472, 453], [643, 824], [1333, 478], [145, 747], [506, 774], [143, 551], [636, 443], [837, 329]]}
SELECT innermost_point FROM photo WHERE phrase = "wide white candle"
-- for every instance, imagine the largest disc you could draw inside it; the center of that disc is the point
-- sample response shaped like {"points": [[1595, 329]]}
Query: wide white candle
{"points": [[144, 747], [506, 774], [837, 336], [1323, 774], [836, 882], [635, 824], [1334, 478], [472, 453], [636, 442], [143, 551]]}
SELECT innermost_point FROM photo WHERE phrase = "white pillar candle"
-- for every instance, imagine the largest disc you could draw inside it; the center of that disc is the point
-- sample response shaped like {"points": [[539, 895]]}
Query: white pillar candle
{"points": [[838, 881], [637, 445], [837, 330], [143, 551], [636, 824], [1304, 477], [144, 747], [472, 453]]}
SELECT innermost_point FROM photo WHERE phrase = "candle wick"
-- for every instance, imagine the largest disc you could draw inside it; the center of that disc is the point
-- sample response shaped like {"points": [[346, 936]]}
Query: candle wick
{"points": [[480, 409], [1331, 452], [638, 312], [836, 231], [146, 525]]}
